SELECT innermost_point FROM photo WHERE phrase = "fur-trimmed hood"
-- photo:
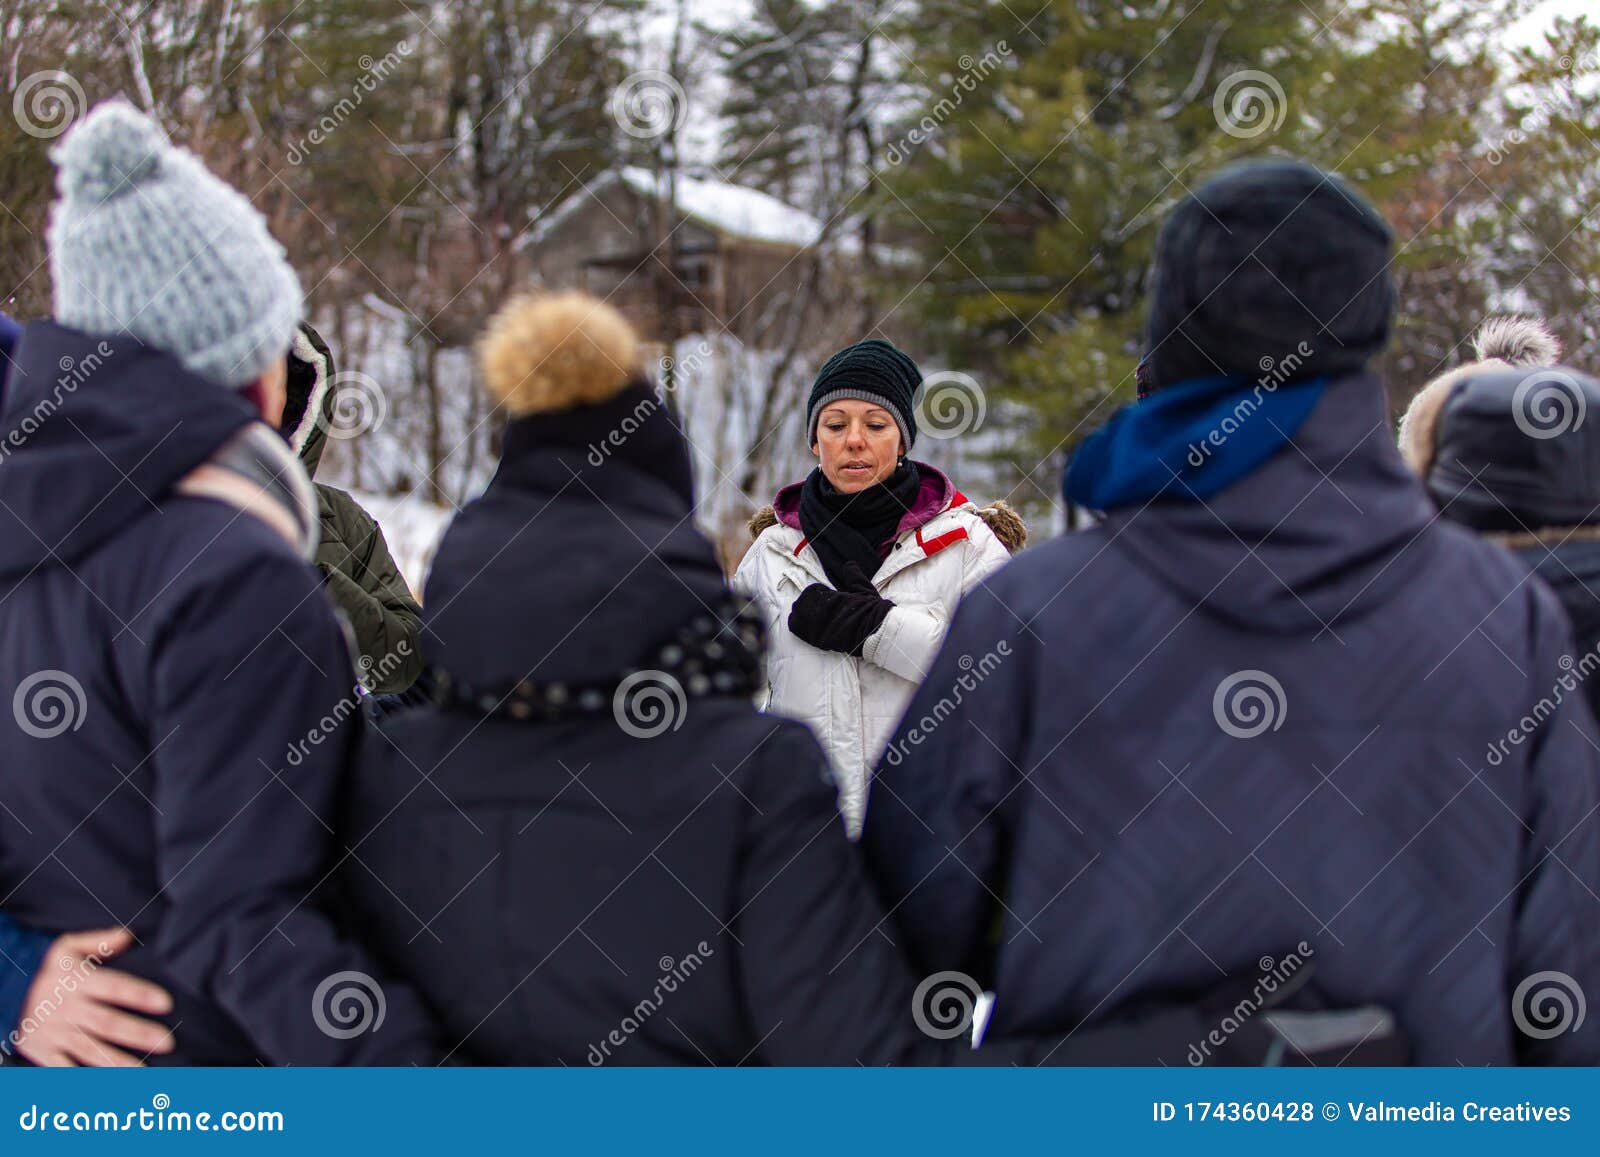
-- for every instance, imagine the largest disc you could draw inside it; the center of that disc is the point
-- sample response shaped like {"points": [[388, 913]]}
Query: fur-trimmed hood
{"points": [[1498, 343], [308, 407]]}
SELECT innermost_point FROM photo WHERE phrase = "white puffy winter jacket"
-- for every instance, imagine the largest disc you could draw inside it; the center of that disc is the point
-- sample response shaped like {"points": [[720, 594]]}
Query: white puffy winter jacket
{"points": [[853, 704]]}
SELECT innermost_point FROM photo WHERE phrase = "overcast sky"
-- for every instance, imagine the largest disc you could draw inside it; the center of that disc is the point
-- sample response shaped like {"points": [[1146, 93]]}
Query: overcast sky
{"points": [[1529, 30]]}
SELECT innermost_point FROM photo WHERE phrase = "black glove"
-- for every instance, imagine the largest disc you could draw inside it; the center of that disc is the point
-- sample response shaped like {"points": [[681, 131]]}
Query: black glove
{"points": [[839, 620]]}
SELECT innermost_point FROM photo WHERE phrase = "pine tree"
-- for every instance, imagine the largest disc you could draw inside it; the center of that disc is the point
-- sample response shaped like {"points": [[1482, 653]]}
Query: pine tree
{"points": [[783, 95], [1052, 138], [1544, 167]]}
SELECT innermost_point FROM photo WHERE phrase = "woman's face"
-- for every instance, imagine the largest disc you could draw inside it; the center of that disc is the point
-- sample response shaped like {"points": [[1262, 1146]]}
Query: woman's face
{"points": [[858, 443]]}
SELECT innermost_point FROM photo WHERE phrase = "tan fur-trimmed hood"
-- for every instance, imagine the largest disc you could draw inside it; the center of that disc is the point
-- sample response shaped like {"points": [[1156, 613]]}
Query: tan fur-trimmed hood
{"points": [[762, 519], [554, 351]]}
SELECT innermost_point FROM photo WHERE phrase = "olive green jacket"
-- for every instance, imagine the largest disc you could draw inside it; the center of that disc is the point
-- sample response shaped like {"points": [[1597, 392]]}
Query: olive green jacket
{"points": [[353, 557]]}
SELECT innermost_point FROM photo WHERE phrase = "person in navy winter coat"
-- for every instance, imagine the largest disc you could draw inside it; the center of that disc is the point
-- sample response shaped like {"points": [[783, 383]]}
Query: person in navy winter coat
{"points": [[1267, 699], [89, 1022], [176, 736], [594, 822], [10, 331], [1502, 446]]}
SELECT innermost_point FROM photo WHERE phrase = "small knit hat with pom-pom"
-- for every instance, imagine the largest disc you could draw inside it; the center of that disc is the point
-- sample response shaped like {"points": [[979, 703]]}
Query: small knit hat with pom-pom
{"points": [[1499, 343], [145, 241]]}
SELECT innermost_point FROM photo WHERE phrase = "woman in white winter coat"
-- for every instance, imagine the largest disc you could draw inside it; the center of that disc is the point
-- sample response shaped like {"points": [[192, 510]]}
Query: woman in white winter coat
{"points": [[858, 568]]}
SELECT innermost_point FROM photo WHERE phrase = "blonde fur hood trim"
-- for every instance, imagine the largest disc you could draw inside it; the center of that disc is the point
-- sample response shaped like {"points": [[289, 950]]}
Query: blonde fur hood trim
{"points": [[544, 352]]}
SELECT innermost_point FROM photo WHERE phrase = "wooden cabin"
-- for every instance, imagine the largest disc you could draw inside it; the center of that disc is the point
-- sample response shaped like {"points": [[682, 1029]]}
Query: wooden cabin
{"points": [[677, 256]]}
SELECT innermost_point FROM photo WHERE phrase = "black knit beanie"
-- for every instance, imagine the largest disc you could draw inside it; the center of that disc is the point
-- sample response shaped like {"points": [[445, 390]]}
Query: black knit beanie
{"points": [[871, 371], [1265, 256]]}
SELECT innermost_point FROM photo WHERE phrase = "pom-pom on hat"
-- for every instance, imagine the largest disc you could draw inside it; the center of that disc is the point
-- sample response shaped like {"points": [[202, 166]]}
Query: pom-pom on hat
{"points": [[1517, 341], [145, 241], [554, 351], [1500, 342]]}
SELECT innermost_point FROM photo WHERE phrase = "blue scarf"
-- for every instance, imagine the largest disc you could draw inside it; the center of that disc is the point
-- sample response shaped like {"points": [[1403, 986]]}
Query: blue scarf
{"points": [[1187, 441]]}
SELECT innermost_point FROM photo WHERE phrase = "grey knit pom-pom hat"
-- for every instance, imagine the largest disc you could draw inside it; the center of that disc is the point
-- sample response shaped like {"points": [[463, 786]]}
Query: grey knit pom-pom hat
{"points": [[145, 241]]}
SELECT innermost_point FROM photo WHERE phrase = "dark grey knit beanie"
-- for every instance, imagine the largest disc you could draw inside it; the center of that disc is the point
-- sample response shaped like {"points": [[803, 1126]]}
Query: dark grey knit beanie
{"points": [[870, 371], [1266, 260]]}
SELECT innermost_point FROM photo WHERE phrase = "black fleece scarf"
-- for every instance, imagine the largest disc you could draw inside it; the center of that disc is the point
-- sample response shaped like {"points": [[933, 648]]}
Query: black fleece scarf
{"points": [[845, 528]]}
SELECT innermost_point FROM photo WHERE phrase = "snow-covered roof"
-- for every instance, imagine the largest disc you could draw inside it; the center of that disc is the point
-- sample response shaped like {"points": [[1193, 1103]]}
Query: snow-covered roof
{"points": [[734, 210]]}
